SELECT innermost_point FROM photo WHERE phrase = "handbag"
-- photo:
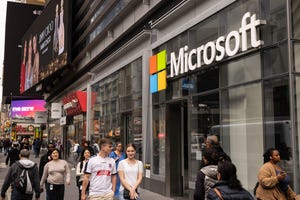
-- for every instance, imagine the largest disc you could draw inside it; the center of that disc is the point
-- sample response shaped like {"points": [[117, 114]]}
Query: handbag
{"points": [[126, 193]]}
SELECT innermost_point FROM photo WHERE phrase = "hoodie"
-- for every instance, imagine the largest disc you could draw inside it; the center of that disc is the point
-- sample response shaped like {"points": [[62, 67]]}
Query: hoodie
{"points": [[15, 170]]}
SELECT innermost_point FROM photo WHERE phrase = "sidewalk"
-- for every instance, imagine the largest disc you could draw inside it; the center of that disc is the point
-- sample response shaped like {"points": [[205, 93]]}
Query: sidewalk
{"points": [[71, 191]]}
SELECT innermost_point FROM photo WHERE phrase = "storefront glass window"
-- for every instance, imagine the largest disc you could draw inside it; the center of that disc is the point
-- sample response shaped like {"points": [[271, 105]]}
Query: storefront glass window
{"points": [[159, 141], [275, 60], [204, 117], [274, 12], [241, 122], [277, 122], [296, 57], [296, 18], [117, 109], [241, 71]]}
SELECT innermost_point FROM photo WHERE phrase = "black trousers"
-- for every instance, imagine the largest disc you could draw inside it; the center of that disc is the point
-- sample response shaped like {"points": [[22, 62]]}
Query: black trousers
{"points": [[55, 192]]}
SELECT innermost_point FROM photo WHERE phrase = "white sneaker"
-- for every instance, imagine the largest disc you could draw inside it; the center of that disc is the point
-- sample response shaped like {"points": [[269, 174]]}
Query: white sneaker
{"points": [[73, 169]]}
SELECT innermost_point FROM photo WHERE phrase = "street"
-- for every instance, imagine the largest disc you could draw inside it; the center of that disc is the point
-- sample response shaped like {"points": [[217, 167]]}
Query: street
{"points": [[71, 191]]}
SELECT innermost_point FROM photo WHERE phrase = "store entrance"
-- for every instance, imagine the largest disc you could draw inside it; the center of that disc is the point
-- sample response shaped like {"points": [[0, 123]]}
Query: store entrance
{"points": [[177, 149]]}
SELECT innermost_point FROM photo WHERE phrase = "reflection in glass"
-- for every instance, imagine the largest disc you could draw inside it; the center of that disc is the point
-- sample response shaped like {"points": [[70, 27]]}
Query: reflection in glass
{"points": [[241, 71], [158, 148], [241, 122], [277, 123], [204, 115]]}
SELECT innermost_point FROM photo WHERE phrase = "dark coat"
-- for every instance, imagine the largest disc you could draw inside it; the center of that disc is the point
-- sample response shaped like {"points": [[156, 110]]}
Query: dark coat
{"points": [[44, 160], [228, 193], [12, 156]]}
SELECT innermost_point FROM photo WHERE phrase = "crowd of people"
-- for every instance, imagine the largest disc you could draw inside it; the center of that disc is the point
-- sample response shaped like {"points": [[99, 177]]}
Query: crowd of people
{"points": [[104, 171], [217, 179], [100, 172]]}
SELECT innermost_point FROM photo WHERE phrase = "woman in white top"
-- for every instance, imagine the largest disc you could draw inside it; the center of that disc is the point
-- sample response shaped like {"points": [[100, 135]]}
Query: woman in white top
{"points": [[80, 169], [131, 173]]}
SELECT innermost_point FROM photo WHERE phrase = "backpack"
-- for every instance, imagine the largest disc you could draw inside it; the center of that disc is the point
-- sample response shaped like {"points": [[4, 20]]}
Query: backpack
{"points": [[23, 182]]}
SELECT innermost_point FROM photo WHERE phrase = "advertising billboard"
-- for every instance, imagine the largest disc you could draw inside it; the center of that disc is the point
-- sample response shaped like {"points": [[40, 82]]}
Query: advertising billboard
{"points": [[44, 45], [26, 108]]}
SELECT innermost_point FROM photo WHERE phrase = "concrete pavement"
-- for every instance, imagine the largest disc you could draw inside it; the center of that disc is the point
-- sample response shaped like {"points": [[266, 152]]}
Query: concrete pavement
{"points": [[71, 191]]}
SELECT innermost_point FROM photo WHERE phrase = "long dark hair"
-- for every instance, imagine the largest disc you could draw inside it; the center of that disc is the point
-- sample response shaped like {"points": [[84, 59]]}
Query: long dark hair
{"points": [[82, 158], [268, 153], [227, 171]]}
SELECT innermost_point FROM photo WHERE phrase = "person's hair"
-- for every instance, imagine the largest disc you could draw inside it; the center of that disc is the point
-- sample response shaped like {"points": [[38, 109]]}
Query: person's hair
{"points": [[24, 153], [82, 158], [211, 155], [104, 141], [59, 153], [227, 171], [131, 145], [119, 142], [268, 153]]}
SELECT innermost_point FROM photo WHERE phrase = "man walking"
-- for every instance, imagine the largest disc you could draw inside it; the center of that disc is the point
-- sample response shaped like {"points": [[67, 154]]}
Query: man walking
{"points": [[101, 173], [13, 176]]}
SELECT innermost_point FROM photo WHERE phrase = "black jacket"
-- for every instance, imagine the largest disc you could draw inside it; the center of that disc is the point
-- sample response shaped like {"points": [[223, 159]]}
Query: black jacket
{"points": [[15, 171], [228, 193], [12, 156], [44, 160]]}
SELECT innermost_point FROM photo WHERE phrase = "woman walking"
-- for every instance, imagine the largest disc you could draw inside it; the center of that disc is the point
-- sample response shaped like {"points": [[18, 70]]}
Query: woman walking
{"points": [[228, 187], [131, 173], [273, 181], [55, 172], [80, 169]]}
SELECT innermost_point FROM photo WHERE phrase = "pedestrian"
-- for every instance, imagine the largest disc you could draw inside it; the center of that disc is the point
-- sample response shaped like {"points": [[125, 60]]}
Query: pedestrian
{"points": [[57, 173], [6, 145], [1, 145], [37, 147], [273, 181], [131, 174], [118, 155], [80, 170], [101, 174], [228, 187], [76, 153], [86, 145], [207, 176], [45, 159], [13, 154], [14, 173]]}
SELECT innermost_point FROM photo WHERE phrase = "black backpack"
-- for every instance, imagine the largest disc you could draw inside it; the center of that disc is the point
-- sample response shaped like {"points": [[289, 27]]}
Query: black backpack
{"points": [[23, 182]]}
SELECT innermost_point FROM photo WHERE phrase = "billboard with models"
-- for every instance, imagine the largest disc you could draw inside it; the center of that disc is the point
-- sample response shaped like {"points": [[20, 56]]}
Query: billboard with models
{"points": [[44, 45]]}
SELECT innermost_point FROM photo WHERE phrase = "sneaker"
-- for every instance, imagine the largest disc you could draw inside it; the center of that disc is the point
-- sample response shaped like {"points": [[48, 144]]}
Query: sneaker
{"points": [[73, 169]]}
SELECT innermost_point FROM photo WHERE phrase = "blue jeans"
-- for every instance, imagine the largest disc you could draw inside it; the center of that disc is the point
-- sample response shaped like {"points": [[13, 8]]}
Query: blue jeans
{"points": [[122, 198], [17, 195]]}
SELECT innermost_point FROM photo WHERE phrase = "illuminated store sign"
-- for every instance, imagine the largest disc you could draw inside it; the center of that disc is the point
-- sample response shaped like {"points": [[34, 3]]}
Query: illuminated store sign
{"points": [[206, 54], [216, 50]]}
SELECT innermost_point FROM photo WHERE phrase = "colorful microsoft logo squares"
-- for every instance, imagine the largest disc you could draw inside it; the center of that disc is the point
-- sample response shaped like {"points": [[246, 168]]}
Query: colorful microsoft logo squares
{"points": [[157, 70]]}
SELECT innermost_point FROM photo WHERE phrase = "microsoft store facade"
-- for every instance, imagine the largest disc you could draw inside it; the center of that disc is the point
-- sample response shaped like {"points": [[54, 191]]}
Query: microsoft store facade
{"points": [[225, 67]]}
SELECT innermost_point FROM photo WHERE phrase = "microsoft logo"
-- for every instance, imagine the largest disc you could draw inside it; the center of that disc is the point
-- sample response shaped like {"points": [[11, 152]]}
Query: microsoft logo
{"points": [[158, 73]]}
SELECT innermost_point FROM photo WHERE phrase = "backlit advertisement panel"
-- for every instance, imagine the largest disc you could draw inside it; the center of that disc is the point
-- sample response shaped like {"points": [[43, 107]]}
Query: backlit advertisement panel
{"points": [[26, 108], [44, 45]]}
